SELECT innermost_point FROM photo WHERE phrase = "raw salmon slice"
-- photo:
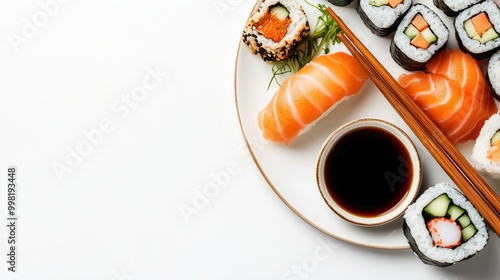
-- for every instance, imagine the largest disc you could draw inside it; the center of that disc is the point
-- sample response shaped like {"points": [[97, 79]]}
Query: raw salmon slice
{"points": [[454, 94], [310, 94]]}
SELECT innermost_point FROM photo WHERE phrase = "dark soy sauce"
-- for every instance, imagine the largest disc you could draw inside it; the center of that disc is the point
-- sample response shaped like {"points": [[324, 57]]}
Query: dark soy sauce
{"points": [[368, 171]]}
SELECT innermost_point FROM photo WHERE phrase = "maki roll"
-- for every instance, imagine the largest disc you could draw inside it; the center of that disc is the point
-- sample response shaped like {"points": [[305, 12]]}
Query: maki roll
{"points": [[493, 74], [382, 16], [443, 228], [485, 155], [275, 28], [419, 36], [453, 7], [478, 29], [340, 3]]}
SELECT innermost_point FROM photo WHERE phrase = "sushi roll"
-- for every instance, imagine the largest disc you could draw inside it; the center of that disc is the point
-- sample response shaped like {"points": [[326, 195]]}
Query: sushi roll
{"points": [[453, 7], [382, 16], [477, 29], [340, 3], [493, 74], [485, 155], [419, 36], [443, 228], [275, 28]]}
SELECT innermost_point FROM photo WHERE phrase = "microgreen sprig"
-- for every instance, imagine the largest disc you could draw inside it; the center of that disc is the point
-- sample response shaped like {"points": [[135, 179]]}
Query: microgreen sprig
{"points": [[324, 34]]}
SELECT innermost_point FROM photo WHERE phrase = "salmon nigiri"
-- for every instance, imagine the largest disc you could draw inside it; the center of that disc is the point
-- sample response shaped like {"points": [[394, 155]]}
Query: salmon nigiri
{"points": [[453, 93], [309, 94]]}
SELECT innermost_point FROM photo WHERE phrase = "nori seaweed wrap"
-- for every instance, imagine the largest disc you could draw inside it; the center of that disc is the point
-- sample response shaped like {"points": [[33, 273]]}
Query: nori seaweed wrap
{"points": [[340, 3]]}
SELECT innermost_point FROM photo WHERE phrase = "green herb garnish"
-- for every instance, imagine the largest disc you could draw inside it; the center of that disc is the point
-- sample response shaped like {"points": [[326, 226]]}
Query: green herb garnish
{"points": [[324, 34]]}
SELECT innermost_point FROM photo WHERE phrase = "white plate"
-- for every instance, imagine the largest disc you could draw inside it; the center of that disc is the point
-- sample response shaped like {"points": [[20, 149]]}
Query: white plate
{"points": [[290, 170]]}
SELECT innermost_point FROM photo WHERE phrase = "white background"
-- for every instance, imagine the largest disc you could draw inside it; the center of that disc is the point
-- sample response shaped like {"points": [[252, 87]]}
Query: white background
{"points": [[115, 212]]}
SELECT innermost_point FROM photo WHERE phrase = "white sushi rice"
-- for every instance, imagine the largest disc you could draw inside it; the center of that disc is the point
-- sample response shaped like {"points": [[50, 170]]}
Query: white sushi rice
{"points": [[312, 124], [384, 16], [493, 12], [459, 5], [479, 151], [494, 72], [436, 25], [415, 221], [296, 31]]}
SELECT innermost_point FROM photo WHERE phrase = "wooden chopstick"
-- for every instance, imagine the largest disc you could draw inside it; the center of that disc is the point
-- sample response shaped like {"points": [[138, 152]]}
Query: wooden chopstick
{"points": [[480, 194], [451, 160]]}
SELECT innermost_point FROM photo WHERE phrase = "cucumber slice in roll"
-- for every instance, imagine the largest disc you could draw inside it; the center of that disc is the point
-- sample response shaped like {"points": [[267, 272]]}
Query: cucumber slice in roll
{"points": [[279, 11], [378, 3], [464, 220], [468, 232], [438, 206], [495, 138], [455, 211], [411, 31]]}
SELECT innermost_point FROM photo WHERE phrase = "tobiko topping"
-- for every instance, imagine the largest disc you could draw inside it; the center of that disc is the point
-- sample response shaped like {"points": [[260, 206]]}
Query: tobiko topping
{"points": [[273, 25]]}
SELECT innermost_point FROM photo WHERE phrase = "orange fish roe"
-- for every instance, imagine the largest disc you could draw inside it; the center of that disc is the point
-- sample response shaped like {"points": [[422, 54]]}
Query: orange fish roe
{"points": [[493, 153], [272, 27]]}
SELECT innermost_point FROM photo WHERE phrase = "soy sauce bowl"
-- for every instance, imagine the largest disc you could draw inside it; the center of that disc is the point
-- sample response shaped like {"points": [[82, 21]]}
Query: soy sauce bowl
{"points": [[368, 172]]}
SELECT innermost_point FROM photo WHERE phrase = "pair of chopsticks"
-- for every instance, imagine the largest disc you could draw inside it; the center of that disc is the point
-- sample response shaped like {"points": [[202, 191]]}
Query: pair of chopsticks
{"points": [[451, 160]]}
